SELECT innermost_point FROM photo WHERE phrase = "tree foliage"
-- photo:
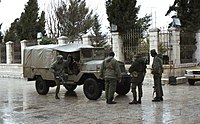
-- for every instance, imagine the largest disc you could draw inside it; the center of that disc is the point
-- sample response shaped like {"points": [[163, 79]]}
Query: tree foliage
{"points": [[123, 13], [52, 21], [28, 25], [28, 20], [74, 19], [97, 38], [12, 33], [46, 40], [188, 11], [1, 35]]}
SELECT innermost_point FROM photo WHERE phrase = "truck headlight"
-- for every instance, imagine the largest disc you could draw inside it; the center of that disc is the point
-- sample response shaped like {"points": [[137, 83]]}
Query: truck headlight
{"points": [[188, 72]]}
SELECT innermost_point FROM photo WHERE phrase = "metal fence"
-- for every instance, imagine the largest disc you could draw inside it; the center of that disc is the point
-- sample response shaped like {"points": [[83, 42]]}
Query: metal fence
{"points": [[187, 46], [187, 49], [3, 53], [134, 43], [164, 47], [16, 53]]}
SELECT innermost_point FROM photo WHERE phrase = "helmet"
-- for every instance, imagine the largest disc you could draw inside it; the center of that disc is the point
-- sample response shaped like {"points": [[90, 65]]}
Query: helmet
{"points": [[59, 57]]}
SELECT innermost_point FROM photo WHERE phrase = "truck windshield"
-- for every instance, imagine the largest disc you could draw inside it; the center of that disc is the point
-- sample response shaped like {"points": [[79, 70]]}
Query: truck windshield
{"points": [[99, 54], [92, 54], [87, 53]]}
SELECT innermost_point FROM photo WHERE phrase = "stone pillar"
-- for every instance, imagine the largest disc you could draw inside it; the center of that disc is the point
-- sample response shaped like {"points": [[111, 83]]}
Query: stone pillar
{"points": [[154, 39], [197, 52], [23, 46], [86, 40], [175, 43], [117, 45], [9, 52], [39, 37], [0, 52], [62, 40]]}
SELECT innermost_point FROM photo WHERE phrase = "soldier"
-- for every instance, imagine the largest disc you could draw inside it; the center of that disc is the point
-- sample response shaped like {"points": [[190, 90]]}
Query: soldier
{"points": [[70, 61], [111, 73], [137, 71], [58, 69], [157, 70]]}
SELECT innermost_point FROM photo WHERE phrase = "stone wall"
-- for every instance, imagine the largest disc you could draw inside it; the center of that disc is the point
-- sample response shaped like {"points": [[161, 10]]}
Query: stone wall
{"points": [[11, 71]]}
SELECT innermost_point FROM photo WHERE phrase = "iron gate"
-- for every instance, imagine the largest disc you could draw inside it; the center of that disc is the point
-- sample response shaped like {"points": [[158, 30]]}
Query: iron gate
{"points": [[134, 43]]}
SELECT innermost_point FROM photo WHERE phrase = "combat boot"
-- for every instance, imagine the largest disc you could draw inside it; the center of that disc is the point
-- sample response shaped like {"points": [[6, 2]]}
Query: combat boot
{"points": [[156, 99], [110, 101], [139, 100], [161, 98], [134, 101], [56, 96]]}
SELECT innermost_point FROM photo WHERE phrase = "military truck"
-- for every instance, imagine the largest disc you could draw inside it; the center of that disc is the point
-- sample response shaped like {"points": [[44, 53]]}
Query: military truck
{"points": [[85, 69]]}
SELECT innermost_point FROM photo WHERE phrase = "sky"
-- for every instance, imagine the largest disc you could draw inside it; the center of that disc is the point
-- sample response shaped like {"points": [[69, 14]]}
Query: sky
{"points": [[12, 9]]}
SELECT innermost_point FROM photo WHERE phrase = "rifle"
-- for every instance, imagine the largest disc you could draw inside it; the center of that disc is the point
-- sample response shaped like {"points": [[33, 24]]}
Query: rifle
{"points": [[61, 78]]}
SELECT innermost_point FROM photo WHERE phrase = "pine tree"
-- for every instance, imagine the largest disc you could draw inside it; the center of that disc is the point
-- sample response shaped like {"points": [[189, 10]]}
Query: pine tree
{"points": [[12, 33], [1, 35], [97, 38], [40, 26], [188, 11], [28, 21], [28, 25], [123, 13]]}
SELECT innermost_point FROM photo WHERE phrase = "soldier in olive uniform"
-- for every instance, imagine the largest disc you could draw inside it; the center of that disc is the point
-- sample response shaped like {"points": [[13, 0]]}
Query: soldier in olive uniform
{"points": [[110, 72], [157, 70], [58, 68], [137, 71]]}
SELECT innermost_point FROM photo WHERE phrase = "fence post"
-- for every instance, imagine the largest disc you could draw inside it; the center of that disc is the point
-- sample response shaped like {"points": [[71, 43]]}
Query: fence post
{"points": [[23, 46], [154, 39], [86, 40], [175, 43], [117, 45], [197, 52], [9, 52]]}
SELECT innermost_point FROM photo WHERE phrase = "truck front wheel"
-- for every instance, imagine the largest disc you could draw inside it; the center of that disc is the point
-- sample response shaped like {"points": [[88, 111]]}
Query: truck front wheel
{"points": [[92, 89], [41, 86]]}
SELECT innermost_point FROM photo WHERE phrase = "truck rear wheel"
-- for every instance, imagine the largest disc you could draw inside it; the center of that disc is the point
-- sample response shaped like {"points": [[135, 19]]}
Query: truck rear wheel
{"points": [[92, 89], [123, 88], [41, 86], [70, 87]]}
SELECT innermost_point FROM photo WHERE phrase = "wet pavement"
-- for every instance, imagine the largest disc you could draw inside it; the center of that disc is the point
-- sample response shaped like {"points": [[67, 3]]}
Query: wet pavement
{"points": [[20, 104]]}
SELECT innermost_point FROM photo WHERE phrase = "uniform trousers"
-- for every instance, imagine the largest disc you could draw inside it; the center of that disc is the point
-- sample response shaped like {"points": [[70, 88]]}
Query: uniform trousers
{"points": [[110, 88]]}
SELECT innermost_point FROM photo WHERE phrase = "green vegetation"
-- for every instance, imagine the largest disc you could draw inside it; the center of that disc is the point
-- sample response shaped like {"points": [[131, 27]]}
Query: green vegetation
{"points": [[28, 25]]}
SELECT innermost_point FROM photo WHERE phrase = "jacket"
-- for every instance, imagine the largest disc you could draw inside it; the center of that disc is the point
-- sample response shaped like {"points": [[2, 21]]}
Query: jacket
{"points": [[58, 68], [138, 70], [157, 66], [110, 69]]}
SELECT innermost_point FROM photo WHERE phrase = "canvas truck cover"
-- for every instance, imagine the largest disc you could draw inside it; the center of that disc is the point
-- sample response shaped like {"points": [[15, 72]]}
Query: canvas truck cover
{"points": [[41, 56]]}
